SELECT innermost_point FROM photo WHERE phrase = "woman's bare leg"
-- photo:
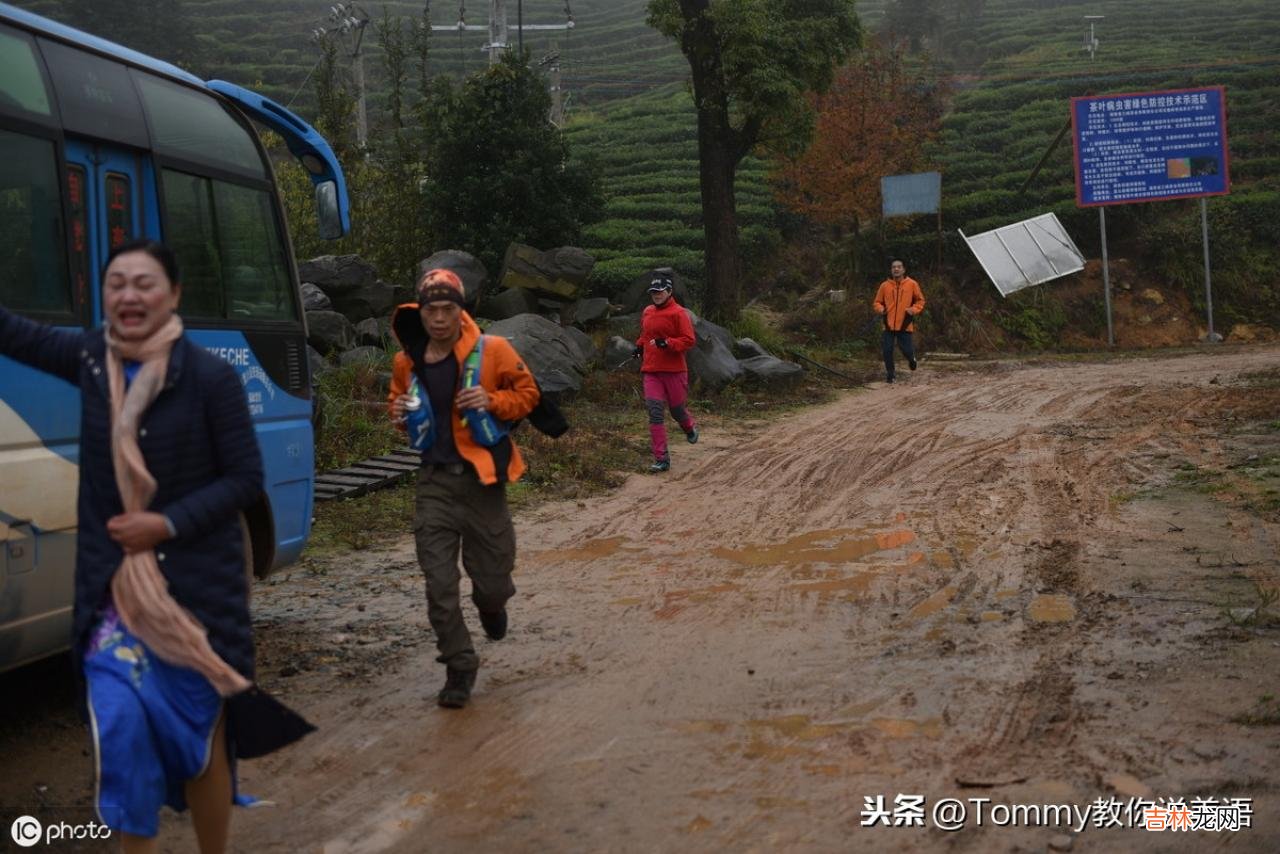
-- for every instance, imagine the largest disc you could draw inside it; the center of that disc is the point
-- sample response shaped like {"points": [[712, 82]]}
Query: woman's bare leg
{"points": [[209, 797], [131, 844]]}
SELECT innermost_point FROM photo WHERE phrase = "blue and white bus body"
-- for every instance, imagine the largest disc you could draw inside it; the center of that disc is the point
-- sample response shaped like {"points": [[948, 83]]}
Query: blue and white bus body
{"points": [[100, 144]]}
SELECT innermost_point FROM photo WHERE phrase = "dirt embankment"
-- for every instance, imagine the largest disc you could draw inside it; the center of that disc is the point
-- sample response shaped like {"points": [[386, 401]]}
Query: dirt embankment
{"points": [[995, 582]]}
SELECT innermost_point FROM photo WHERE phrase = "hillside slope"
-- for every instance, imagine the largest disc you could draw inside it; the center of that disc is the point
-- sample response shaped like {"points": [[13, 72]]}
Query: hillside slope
{"points": [[1004, 118]]}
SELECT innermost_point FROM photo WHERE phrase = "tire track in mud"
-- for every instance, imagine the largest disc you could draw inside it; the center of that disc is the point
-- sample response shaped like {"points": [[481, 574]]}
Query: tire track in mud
{"points": [[880, 594]]}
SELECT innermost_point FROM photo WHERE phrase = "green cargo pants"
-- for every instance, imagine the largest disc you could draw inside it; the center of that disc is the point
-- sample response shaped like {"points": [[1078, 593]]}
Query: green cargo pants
{"points": [[453, 509]]}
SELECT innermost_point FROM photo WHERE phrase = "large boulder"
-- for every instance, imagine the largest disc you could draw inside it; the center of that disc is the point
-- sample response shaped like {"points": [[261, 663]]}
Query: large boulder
{"points": [[636, 296], [711, 361], [373, 331], [351, 284], [329, 332], [547, 348], [585, 345], [319, 364], [474, 275], [373, 300], [508, 303], [559, 272], [586, 312], [770, 370], [704, 329], [337, 272], [314, 299], [552, 309], [617, 355], [363, 356], [745, 348]]}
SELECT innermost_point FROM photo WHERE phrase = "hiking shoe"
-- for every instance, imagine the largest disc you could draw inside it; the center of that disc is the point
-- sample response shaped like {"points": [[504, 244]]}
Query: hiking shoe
{"points": [[660, 465], [692, 436], [457, 688], [889, 380], [495, 623], [912, 364]]}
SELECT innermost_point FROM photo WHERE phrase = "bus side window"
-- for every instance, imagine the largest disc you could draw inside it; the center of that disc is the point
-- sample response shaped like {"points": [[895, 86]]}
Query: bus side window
{"points": [[257, 281], [229, 246], [33, 256], [189, 230], [22, 86]]}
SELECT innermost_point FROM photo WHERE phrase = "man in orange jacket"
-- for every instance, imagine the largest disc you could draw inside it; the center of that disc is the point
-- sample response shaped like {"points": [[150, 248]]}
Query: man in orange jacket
{"points": [[900, 300], [461, 493]]}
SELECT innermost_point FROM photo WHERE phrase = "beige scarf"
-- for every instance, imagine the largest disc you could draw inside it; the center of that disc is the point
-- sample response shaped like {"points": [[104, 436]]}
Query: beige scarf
{"points": [[140, 592]]}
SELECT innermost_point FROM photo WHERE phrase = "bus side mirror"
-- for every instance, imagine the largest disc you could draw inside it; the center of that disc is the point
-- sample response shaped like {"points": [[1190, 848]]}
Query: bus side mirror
{"points": [[327, 210]]}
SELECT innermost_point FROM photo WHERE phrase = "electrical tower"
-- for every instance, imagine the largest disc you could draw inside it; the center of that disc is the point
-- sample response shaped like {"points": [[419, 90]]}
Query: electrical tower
{"points": [[498, 28], [347, 21]]}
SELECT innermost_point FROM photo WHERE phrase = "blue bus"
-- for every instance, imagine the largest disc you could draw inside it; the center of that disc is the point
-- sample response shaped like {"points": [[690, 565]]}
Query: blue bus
{"points": [[100, 144]]}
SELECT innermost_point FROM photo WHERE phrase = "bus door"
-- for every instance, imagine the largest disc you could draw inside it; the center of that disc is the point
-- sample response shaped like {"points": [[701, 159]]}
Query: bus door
{"points": [[40, 221], [103, 191], [115, 189]]}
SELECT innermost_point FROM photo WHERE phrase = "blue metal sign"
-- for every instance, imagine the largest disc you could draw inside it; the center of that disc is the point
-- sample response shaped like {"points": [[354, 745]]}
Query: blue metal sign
{"points": [[1150, 146], [903, 195]]}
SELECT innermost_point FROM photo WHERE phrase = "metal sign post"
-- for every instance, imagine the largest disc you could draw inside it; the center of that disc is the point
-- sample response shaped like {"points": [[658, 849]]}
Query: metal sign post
{"points": [[1208, 288], [1106, 275]]}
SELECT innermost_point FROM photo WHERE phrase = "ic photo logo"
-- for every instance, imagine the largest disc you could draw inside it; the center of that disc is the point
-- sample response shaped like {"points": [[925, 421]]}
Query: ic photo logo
{"points": [[26, 831]]}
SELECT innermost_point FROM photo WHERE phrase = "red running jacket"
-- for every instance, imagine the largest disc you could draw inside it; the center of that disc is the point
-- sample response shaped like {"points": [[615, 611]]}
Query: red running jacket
{"points": [[670, 321]]}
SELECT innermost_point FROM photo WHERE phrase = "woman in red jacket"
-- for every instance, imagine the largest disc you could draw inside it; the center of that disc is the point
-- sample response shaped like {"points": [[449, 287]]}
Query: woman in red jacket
{"points": [[665, 334]]}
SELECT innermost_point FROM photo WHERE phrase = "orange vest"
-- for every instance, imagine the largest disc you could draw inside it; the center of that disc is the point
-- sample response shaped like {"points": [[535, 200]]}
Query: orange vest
{"points": [[512, 391]]}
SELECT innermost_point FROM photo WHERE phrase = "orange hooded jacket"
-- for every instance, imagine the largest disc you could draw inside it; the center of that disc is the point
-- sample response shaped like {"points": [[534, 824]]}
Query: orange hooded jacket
{"points": [[512, 391], [899, 302]]}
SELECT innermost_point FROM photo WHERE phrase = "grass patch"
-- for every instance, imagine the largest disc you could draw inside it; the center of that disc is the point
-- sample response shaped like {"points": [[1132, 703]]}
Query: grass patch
{"points": [[754, 324], [352, 423], [353, 524], [1201, 480]]}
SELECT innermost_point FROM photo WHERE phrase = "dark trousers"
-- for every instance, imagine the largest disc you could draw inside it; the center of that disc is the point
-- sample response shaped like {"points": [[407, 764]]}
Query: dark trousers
{"points": [[886, 348], [456, 512]]}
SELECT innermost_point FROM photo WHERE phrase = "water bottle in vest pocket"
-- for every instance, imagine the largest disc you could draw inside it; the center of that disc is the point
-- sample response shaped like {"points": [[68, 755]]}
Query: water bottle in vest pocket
{"points": [[417, 419], [485, 429]]}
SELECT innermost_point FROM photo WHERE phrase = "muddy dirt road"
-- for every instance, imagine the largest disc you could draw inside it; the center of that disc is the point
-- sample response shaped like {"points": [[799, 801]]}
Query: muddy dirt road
{"points": [[1010, 582]]}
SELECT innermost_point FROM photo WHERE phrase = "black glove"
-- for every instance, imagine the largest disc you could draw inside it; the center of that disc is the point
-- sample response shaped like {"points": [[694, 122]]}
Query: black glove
{"points": [[637, 352], [661, 342]]}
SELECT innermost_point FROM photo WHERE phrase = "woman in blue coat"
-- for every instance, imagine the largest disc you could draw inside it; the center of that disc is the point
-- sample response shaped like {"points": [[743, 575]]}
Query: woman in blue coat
{"points": [[161, 629]]}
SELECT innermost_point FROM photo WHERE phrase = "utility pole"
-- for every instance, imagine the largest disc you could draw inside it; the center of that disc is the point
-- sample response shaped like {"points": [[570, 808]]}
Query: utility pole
{"points": [[498, 30], [1091, 45], [1091, 41], [552, 61], [347, 21]]}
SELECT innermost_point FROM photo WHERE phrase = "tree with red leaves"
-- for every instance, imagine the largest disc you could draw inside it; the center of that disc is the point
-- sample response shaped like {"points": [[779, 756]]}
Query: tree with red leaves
{"points": [[875, 120]]}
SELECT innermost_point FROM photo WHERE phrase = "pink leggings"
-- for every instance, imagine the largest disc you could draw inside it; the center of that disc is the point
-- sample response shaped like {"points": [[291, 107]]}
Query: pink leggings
{"points": [[664, 389]]}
